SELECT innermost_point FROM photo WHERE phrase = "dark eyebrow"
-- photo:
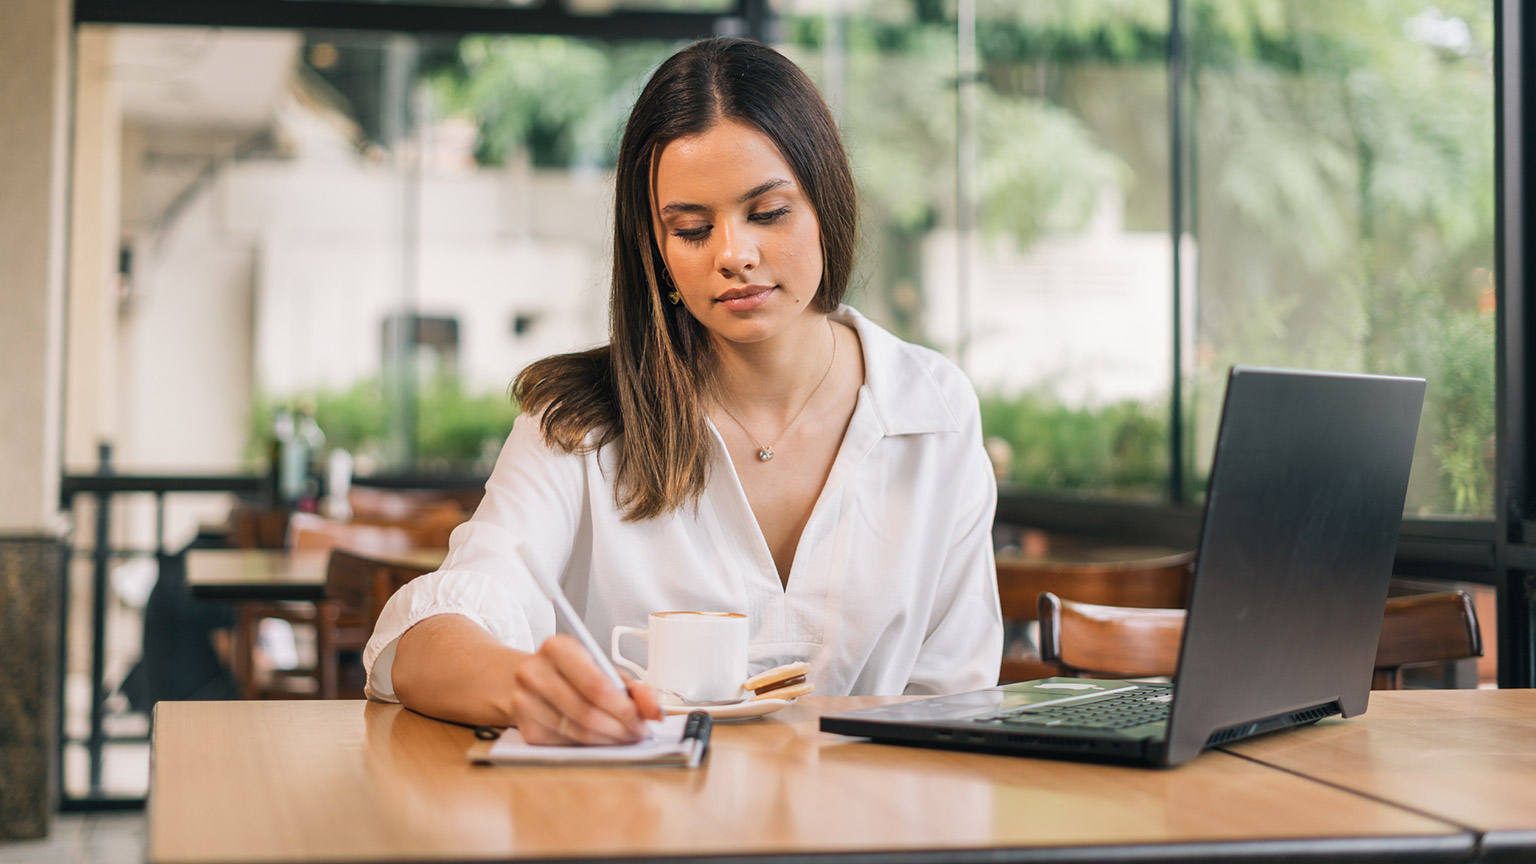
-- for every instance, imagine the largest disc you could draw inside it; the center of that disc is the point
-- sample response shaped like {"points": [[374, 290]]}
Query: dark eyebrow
{"points": [[759, 190], [681, 207]]}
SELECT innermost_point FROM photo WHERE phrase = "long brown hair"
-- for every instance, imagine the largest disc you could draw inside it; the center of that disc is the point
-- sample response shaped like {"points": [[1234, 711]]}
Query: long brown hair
{"points": [[645, 388]]}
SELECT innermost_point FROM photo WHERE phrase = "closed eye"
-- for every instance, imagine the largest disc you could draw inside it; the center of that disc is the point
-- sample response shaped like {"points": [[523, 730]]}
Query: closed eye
{"points": [[698, 235], [692, 235]]}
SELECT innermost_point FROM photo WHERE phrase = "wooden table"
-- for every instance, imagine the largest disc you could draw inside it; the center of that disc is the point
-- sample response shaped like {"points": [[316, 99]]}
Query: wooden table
{"points": [[351, 781], [1465, 756], [256, 576], [273, 574]]}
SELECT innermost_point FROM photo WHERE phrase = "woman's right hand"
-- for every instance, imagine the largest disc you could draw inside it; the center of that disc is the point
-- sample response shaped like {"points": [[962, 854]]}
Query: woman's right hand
{"points": [[561, 697], [450, 667]]}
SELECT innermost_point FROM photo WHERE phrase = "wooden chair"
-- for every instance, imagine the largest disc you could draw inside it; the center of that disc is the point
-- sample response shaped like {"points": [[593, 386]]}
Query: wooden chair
{"points": [[253, 527], [404, 504], [1159, 581], [1423, 628], [310, 532], [339, 623], [428, 529], [356, 589], [1090, 640]]}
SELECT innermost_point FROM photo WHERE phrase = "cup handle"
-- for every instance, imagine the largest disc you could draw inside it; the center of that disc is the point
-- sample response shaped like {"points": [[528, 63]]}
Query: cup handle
{"points": [[613, 648]]}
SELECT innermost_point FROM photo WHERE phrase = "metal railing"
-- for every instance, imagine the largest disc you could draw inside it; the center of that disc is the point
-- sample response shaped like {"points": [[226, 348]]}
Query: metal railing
{"points": [[104, 486]]}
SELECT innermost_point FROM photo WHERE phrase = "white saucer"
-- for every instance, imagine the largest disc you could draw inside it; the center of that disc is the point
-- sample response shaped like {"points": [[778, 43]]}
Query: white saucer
{"points": [[743, 710]]}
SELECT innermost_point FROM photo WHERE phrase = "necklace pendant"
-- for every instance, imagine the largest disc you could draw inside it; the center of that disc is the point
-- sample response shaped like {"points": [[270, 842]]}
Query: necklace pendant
{"points": [[765, 454]]}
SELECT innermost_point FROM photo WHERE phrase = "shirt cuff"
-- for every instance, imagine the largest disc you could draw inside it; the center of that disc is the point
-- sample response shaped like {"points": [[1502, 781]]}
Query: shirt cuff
{"points": [[380, 686]]}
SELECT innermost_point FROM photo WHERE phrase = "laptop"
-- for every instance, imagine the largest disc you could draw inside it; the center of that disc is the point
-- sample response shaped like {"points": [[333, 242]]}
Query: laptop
{"points": [[1296, 548]]}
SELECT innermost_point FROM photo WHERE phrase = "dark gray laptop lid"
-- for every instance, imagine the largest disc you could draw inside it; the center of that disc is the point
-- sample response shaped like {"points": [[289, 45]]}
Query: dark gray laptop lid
{"points": [[1301, 521]]}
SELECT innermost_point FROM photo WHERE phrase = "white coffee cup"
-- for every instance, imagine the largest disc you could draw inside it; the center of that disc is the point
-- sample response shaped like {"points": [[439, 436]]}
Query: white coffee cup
{"points": [[699, 656]]}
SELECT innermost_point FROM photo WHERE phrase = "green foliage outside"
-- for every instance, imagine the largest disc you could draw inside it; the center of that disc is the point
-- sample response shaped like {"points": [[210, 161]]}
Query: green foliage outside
{"points": [[558, 102], [1347, 210], [1118, 450], [1340, 192], [455, 430], [1338, 187]]}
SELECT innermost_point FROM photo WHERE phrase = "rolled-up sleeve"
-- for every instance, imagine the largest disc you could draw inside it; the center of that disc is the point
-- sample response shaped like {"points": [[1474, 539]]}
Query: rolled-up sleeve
{"points": [[525, 525]]}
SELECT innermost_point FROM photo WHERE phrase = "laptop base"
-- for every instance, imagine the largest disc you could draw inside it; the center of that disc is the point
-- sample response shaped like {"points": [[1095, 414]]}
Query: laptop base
{"points": [[979, 722]]}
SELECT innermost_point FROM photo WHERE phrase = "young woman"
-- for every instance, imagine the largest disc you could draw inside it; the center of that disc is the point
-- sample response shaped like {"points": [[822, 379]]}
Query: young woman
{"points": [[744, 443]]}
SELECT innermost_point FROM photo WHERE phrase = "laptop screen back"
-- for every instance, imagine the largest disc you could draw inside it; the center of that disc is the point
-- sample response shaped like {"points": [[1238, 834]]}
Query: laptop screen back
{"points": [[1301, 520]]}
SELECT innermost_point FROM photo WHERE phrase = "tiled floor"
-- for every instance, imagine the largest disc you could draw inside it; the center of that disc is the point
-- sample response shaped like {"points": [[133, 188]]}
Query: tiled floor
{"points": [[95, 838]]}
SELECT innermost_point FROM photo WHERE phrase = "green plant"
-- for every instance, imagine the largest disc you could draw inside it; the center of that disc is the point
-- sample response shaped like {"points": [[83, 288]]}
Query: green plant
{"points": [[1118, 449], [453, 427], [457, 426], [1460, 413]]}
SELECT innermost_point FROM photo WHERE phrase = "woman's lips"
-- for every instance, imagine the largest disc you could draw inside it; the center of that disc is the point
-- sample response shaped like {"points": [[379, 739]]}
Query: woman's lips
{"points": [[745, 298]]}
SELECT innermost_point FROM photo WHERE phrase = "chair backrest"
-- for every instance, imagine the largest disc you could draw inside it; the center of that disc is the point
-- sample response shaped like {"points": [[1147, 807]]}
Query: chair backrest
{"points": [[253, 527], [1149, 580], [1093, 640], [1421, 628], [308, 531], [1116, 642], [1160, 582], [365, 583], [427, 529], [403, 504]]}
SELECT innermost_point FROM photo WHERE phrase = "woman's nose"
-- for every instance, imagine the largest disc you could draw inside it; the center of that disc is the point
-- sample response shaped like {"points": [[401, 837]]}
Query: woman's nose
{"points": [[738, 252]]}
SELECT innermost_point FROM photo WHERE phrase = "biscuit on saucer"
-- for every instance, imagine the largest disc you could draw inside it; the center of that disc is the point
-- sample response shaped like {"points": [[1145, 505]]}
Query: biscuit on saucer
{"points": [[781, 682]]}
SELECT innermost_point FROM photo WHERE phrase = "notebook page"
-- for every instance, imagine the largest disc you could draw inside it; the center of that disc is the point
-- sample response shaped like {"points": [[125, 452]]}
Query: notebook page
{"points": [[665, 739]]}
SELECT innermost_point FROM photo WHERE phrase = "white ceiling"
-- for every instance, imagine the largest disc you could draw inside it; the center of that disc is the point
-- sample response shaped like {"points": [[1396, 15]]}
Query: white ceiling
{"points": [[200, 77]]}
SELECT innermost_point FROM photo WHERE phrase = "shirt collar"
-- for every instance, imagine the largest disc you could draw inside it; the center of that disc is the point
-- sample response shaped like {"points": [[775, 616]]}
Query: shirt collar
{"points": [[905, 394]]}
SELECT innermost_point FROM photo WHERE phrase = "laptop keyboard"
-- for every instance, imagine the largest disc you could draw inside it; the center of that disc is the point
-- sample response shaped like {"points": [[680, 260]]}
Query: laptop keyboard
{"points": [[1146, 704]]}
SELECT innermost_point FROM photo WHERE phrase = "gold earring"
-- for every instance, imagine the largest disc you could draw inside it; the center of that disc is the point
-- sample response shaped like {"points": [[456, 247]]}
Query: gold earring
{"points": [[672, 295]]}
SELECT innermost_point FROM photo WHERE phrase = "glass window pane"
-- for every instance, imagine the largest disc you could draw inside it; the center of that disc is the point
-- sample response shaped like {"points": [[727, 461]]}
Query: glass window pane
{"points": [[1343, 200], [576, 7], [518, 136], [381, 229], [1018, 219]]}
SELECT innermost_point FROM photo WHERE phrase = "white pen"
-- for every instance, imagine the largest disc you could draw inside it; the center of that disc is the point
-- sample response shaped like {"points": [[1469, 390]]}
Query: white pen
{"points": [[567, 614]]}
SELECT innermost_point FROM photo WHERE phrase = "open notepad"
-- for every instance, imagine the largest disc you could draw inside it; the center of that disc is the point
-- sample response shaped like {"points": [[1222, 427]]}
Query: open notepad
{"points": [[675, 740]]}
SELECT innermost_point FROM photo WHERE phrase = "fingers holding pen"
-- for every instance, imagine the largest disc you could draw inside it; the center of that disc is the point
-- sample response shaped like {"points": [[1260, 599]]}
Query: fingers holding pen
{"points": [[550, 712], [564, 698], [542, 723], [644, 699], [577, 667]]}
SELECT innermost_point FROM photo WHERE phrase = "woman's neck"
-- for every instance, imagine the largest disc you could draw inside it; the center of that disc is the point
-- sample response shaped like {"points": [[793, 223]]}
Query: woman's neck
{"points": [[776, 375]]}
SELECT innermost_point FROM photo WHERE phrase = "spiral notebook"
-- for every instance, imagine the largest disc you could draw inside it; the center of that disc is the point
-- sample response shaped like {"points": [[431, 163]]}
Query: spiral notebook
{"points": [[678, 740]]}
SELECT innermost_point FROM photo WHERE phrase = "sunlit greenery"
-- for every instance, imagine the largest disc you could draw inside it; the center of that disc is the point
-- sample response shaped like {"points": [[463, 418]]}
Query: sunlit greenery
{"points": [[1118, 450], [1346, 208], [1337, 176], [555, 101], [455, 430]]}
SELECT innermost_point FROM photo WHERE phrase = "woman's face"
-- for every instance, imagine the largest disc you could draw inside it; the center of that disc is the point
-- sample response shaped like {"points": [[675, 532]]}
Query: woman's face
{"points": [[737, 233]]}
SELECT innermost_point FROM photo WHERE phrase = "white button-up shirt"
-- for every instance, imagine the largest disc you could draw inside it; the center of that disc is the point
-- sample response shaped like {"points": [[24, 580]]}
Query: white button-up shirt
{"points": [[892, 589]]}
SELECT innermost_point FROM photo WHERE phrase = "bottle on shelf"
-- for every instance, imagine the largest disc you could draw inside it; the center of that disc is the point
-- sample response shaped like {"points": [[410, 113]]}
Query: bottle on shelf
{"points": [[308, 450], [280, 482], [338, 485]]}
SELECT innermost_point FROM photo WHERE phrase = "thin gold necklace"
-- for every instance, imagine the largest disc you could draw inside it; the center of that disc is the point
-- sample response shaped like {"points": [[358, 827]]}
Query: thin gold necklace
{"points": [[765, 451]]}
